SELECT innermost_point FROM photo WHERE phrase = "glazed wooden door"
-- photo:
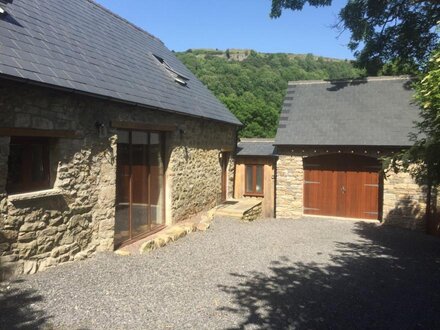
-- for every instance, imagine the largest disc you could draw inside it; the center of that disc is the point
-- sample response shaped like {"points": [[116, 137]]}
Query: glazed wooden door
{"points": [[140, 187], [156, 180], [123, 189], [342, 186], [140, 184]]}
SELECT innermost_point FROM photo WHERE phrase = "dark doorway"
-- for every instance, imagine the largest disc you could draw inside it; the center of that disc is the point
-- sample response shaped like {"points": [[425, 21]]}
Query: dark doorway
{"points": [[140, 189]]}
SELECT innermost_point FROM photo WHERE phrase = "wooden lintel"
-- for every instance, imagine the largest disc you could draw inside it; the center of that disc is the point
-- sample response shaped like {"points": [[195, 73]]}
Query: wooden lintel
{"points": [[143, 126], [251, 160], [13, 131]]}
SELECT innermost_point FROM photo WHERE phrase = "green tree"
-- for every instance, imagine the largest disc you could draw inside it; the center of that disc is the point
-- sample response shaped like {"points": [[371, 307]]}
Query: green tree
{"points": [[422, 160], [382, 31], [254, 89]]}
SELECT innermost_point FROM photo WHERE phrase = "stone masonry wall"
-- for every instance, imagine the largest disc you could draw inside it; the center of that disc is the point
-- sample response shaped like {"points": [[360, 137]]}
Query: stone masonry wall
{"points": [[76, 217], [404, 201], [289, 186], [195, 171], [73, 219]]}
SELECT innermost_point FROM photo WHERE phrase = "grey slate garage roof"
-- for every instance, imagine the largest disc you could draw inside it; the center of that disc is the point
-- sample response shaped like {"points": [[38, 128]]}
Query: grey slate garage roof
{"points": [[256, 147], [79, 45], [365, 112]]}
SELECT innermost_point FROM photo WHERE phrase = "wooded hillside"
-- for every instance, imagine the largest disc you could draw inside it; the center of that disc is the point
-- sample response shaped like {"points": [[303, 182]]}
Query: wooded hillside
{"points": [[252, 85]]}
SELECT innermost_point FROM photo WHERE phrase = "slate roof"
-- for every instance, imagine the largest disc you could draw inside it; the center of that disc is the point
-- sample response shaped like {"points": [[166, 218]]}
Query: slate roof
{"points": [[79, 45], [256, 147], [365, 112]]}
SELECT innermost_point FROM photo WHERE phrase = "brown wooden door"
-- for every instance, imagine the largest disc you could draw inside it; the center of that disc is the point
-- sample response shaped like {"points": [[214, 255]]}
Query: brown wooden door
{"points": [[224, 165], [342, 186]]}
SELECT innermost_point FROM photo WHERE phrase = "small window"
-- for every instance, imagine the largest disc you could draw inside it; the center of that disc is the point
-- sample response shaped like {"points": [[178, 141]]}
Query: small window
{"points": [[254, 179], [28, 165], [178, 77]]}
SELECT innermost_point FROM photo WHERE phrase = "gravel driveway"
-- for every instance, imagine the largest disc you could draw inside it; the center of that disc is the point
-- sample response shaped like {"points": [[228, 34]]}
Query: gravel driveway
{"points": [[269, 274]]}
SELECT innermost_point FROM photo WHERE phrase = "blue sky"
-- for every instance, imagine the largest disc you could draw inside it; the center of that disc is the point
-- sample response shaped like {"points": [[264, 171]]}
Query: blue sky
{"points": [[222, 24]]}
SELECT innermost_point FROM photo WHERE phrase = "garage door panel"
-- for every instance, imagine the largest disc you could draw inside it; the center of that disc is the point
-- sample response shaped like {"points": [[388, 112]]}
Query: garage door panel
{"points": [[312, 192], [371, 185], [342, 186], [372, 196], [355, 194], [319, 196]]}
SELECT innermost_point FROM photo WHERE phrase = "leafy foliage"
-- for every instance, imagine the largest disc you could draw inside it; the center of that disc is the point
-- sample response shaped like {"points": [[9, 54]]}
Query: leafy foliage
{"points": [[383, 31], [254, 88], [423, 159]]}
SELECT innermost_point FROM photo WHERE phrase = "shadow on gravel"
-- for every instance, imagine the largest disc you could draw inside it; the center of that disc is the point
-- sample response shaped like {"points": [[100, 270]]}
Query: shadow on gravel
{"points": [[388, 279], [17, 310]]}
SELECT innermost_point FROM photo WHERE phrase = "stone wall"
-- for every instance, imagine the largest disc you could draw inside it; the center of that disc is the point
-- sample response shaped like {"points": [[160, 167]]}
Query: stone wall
{"points": [[404, 201], [195, 167], [253, 213], [76, 217], [66, 223], [289, 186]]}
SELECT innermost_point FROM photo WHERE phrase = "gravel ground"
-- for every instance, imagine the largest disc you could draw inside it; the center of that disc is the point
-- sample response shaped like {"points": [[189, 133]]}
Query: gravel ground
{"points": [[269, 274]]}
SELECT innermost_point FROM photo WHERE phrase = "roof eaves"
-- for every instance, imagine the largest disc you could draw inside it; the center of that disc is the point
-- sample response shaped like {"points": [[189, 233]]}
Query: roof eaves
{"points": [[391, 146], [264, 156], [349, 80]]}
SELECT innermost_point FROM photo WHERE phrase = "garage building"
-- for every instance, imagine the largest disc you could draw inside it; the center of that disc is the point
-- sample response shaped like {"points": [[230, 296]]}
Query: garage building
{"points": [[331, 139]]}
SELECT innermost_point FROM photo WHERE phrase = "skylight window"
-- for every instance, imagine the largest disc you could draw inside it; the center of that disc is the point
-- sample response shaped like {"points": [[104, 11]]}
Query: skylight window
{"points": [[178, 77], [3, 4]]}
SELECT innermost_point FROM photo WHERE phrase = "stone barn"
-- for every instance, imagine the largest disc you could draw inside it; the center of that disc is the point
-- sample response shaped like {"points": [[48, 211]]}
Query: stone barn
{"points": [[331, 139], [105, 136]]}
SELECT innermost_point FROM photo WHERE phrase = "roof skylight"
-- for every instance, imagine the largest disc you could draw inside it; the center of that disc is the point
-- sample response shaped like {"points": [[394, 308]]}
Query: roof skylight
{"points": [[3, 4], [178, 77]]}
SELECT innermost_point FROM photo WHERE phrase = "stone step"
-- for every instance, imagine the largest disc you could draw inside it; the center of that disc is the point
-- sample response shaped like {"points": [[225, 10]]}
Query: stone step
{"points": [[245, 209], [230, 213]]}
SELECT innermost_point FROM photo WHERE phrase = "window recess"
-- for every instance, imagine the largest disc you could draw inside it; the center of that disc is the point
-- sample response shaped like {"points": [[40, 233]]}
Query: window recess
{"points": [[28, 164]]}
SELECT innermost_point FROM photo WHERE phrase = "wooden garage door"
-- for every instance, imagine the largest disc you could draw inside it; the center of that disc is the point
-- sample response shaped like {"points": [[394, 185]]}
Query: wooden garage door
{"points": [[343, 186]]}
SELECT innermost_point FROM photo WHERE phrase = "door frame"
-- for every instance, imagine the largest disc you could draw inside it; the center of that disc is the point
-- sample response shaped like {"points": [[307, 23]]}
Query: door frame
{"points": [[224, 159]]}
